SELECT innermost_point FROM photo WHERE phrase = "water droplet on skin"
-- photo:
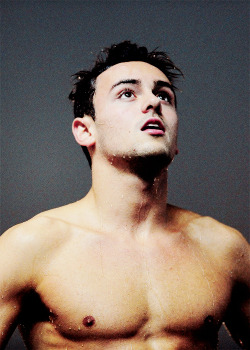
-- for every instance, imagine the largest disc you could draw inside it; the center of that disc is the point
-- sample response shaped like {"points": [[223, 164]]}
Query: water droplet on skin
{"points": [[79, 328], [2, 296]]}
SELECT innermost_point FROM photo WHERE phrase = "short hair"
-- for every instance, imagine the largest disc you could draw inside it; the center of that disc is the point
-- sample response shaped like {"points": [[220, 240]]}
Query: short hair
{"points": [[84, 86]]}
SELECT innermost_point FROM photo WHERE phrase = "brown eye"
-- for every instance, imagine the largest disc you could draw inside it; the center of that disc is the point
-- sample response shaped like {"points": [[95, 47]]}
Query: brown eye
{"points": [[126, 94]]}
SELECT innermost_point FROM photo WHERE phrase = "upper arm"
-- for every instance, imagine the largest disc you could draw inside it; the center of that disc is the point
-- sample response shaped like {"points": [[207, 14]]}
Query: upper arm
{"points": [[24, 252], [237, 319], [15, 278]]}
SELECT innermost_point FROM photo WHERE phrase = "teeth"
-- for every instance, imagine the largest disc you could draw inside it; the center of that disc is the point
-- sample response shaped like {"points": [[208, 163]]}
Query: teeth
{"points": [[151, 125]]}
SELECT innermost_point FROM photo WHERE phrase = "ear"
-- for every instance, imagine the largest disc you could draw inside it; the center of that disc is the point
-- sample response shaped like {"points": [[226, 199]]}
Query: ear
{"points": [[83, 131]]}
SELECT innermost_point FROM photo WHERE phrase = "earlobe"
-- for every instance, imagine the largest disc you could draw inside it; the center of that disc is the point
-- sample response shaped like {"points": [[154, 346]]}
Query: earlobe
{"points": [[83, 131]]}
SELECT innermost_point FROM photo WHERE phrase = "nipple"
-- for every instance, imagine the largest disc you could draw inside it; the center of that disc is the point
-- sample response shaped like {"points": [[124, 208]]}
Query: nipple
{"points": [[88, 321]]}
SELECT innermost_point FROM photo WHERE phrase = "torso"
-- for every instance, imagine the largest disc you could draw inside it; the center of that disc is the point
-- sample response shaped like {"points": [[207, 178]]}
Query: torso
{"points": [[96, 292]]}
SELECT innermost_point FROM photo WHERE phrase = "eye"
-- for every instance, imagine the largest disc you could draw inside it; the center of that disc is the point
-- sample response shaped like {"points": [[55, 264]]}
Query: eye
{"points": [[126, 94], [164, 96]]}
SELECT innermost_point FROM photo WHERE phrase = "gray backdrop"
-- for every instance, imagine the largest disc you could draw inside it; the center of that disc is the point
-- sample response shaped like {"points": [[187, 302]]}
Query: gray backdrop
{"points": [[44, 42]]}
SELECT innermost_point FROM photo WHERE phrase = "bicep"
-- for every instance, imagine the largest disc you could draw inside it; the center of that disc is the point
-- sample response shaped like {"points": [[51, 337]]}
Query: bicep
{"points": [[14, 277]]}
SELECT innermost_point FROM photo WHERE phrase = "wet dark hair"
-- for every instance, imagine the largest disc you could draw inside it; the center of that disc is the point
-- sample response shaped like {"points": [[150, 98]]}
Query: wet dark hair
{"points": [[84, 86]]}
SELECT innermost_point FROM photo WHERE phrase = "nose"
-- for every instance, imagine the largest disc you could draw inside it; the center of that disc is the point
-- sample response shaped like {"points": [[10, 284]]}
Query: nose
{"points": [[151, 102]]}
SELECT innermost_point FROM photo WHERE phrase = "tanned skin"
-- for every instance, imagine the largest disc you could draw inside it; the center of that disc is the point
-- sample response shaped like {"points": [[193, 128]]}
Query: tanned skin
{"points": [[120, 268]]}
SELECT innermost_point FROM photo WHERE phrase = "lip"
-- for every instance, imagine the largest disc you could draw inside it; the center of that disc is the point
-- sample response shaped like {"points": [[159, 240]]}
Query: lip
{"points": [[157, 121]]}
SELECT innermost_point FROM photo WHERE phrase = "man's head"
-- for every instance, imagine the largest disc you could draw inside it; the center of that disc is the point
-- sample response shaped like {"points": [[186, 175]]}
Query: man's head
{"points": [[86, 81]]}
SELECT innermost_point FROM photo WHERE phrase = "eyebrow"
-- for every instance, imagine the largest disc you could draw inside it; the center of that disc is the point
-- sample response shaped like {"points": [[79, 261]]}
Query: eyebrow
{"points": [[162, 83], [127, 81], [158, 83]]}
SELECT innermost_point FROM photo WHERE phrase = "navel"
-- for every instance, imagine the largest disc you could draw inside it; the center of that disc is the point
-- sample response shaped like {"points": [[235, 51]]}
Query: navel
{"points": [[88, 321]]}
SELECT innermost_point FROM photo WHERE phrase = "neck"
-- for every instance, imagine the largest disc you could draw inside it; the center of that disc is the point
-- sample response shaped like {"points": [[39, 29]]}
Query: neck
{"points": [[126, 200]]}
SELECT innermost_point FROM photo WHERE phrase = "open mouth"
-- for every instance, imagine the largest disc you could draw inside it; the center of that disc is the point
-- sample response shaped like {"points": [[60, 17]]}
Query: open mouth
{"points": [[153, 127]]}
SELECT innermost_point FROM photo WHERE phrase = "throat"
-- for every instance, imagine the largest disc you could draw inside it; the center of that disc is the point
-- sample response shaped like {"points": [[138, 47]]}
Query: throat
{"points": [[125, 200], [149, 168]]}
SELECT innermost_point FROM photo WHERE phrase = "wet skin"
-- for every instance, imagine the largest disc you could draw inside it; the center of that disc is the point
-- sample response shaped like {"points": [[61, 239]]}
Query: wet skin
{"points": [[91, 291], [121, 269]]}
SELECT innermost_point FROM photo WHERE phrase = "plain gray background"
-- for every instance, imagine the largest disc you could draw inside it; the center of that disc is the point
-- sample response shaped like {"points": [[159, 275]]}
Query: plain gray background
{"points": [[44, 42]]}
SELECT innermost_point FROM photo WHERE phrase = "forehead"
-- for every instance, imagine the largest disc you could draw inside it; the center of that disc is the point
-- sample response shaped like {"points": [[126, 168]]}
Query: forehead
{"points": [[129, 70]]}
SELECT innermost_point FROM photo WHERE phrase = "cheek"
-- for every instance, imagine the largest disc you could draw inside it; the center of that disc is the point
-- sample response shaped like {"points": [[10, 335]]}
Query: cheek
{"points": [[174, 119], [172, 124], [103, 119], [112, 119]]}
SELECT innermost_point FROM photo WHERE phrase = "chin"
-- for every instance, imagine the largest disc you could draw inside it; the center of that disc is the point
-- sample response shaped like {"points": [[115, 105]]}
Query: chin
{"points": [[149, 165], [150, 151]]}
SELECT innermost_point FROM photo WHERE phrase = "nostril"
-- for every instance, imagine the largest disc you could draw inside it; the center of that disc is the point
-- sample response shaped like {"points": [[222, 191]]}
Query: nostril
{"points": [[148, 108]]}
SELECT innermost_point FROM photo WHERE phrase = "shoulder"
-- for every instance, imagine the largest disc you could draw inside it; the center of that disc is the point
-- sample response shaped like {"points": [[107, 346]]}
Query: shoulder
{"points": [[226, 245], [217, 233], [20, 249], [31, 239], [209, 230], [32, 232], [46, 231], [26, 248]]}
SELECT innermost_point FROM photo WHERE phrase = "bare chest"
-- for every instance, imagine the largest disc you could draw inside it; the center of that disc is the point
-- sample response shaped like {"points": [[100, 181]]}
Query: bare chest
{"points": [[117, 291]]}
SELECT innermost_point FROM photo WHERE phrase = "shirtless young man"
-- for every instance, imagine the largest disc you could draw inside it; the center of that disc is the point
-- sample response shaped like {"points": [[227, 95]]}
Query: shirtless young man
{"points": [[120, 268]]}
